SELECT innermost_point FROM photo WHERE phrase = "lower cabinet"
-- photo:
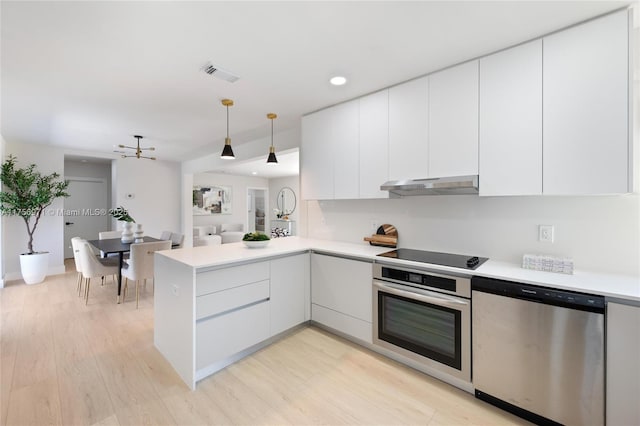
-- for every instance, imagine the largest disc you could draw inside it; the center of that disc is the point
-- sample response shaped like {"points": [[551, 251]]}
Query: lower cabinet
{"points": [[341, 295], [289, 304], [221, 336], [623, 364]]}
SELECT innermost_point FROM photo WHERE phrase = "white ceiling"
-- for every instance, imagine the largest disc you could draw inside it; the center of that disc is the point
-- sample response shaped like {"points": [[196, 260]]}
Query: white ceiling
{"points": [[90, 75]]}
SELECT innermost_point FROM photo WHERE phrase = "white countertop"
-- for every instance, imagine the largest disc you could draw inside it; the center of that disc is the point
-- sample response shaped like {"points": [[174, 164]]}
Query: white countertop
{"points": [[618, 286]]}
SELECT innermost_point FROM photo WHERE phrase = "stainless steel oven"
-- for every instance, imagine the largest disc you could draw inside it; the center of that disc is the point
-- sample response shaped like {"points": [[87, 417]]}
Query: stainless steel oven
{"points": [[424, 316]]}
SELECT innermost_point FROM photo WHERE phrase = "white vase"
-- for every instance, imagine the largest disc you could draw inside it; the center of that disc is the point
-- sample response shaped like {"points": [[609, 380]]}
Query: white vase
{"points": [[138, 235], [127, 232], [34, 267]]}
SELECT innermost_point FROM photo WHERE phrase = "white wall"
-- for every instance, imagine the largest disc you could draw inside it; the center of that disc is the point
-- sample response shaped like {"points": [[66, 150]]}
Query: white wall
{"points": [[2, 157], [239, 207], [601, 233], [155, 187], [49, 233]]}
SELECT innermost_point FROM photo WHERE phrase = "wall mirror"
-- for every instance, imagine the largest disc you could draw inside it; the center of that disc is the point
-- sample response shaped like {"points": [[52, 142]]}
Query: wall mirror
{"points": [[286, 201]]}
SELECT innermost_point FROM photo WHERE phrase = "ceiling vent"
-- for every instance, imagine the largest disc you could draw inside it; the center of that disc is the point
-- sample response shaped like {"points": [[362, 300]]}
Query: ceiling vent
{"points": [[216, 71]]}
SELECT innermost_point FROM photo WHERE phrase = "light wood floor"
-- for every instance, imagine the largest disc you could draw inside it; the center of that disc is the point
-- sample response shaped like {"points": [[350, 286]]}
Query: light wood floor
{"points": [[66, 363]]}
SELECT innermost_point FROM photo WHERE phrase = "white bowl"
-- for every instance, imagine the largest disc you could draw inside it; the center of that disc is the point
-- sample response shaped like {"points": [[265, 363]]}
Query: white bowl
{"points": [[256, 244]]}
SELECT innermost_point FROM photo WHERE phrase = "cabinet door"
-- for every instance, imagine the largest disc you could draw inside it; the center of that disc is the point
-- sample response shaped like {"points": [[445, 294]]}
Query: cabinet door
{"points": [[585, 108], [374, 144], [345, 129], [408, 130], [510, 150], [316, 156], [453, 121], [623, 366], [343, 285], [289, 290]]}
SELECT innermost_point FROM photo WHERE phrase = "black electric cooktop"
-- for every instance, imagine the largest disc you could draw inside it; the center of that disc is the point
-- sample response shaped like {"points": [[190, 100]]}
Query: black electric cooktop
{"points": [[436, 258]]}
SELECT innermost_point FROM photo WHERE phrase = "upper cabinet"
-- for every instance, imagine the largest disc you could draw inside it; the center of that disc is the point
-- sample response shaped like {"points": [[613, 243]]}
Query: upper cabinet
{"points": [[346, 129], [316, 156], [586, 130], [329, 153], [374, 144], [409, 130], [550, 117], [453, 121], [510, 150]]}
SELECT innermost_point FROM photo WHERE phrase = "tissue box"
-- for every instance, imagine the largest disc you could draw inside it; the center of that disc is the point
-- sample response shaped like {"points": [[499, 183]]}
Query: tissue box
{"points": [[541, 262]]}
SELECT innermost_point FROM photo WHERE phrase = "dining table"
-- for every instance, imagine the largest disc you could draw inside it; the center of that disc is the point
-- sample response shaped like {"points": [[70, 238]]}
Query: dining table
{"points": [[115, 245]]}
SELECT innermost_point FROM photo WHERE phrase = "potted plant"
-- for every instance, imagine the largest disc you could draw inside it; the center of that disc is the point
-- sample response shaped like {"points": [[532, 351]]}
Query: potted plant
{"points": [[27, 193], [121, 214]]}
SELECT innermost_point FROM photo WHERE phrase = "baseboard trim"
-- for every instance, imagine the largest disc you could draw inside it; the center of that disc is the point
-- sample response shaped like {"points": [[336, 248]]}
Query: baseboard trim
{"points": [[53, 270]]}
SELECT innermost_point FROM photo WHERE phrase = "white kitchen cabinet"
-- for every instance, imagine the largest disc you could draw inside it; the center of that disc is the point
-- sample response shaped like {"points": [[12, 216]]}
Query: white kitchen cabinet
{"points": [[289, 304], [623, 366], [329, 153], [341, 294], [345, 152], [453, 121], [316, 156], [408, 130], [374, 144], [510, 149], [586, 108]]}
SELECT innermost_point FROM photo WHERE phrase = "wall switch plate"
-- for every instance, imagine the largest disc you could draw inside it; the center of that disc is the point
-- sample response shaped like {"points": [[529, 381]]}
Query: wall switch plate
{"points": [[175, 289], [545, 233]]}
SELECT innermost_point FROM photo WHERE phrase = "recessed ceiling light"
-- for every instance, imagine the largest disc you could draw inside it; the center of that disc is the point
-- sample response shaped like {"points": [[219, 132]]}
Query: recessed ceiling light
{"points": [[338, 80], [254, 173]]}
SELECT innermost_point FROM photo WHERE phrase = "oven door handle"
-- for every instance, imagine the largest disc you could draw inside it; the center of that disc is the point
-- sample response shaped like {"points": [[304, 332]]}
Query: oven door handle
{"points": [[418, 294]]}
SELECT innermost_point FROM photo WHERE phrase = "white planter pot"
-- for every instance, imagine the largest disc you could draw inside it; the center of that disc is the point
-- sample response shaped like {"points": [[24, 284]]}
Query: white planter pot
{"points": [[127, 232], [34, 267]]}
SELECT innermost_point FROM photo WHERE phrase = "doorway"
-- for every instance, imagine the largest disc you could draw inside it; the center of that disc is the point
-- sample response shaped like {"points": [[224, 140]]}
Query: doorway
{"points": [[257, 209], [85, 210]]}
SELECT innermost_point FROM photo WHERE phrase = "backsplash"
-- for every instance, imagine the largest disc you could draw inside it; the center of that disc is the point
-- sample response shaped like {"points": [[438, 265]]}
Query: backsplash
{"points": [[600, 233]]}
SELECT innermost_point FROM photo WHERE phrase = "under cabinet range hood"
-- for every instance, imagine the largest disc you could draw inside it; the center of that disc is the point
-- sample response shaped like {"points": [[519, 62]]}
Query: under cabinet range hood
{"points": [[454, 185]]}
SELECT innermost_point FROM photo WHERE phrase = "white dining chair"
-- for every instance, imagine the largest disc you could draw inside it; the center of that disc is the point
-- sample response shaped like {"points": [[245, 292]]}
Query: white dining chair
{"points": [[140, 265], [105, 235], [92, 267], [177, 239], [77, 259], [165, 236]]}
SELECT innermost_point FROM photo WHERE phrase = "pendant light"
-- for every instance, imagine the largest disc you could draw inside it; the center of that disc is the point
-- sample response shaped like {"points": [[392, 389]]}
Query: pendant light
{"points": [[227, 152], [138, 153], [272, 151]]}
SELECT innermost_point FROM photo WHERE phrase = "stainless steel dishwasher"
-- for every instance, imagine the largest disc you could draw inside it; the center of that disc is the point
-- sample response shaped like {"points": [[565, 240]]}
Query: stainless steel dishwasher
{"points": [[538, 352]]}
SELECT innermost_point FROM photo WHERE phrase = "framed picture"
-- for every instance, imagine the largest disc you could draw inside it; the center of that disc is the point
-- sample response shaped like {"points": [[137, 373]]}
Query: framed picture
{"points": [[211, 199]]}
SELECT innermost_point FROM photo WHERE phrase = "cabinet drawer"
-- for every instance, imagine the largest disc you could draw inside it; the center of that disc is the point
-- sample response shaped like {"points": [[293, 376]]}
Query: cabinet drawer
{"points": [[225, 335], [215, 303], [222, 279], [344, 323]]}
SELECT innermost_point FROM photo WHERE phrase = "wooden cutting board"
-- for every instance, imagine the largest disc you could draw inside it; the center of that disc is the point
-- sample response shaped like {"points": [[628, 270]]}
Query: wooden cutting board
{"points": [[385, 236]]}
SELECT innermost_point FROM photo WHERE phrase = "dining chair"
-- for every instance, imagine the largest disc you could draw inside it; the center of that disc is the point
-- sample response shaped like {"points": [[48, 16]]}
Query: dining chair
{"points": [[105, 235], [165, 236], [92, 267], [77, 259], [140, 266], [177, 239]]}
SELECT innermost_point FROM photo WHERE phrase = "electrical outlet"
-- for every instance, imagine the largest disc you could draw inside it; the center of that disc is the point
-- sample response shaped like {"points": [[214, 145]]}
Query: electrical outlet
{"points": [[175, 289], [545, 233], [374, 226]]}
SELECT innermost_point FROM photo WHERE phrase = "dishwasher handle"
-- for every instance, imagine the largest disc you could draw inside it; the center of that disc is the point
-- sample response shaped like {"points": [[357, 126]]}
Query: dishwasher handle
{"points": [[532, 293]]}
